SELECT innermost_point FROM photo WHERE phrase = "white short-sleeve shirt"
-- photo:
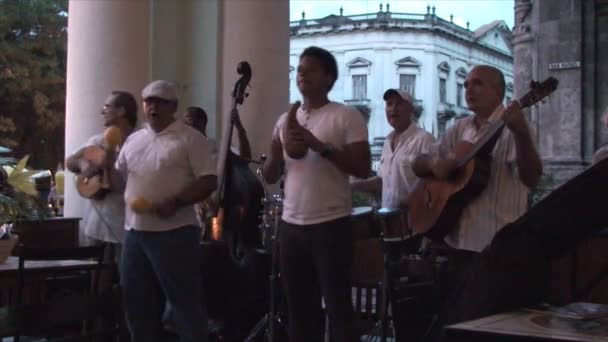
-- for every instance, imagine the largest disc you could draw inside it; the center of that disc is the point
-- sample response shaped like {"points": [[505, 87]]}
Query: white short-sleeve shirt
{"points": [[315, 189], [104, 218], [157, 166], [395, 167]]}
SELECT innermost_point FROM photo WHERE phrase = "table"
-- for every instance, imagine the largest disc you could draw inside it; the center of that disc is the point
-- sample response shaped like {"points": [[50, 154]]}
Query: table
{"points": [[528, 326], [11, 265]]}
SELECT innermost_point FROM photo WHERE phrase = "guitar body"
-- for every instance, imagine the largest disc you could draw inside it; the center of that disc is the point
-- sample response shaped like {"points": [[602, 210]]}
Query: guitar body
{"points": [[436, 205], [95, 187]]}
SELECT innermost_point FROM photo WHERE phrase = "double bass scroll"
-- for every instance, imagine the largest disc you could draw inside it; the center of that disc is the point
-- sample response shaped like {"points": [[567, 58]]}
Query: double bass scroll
{"points": [[239, 191]]}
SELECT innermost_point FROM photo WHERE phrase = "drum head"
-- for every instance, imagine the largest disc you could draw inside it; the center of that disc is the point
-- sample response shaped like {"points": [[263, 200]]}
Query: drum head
{"points": [[362, 219], [357, 211], [389, 211], [393, 223]]}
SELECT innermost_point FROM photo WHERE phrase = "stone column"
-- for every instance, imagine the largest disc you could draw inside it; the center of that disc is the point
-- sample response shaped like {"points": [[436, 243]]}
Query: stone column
{"points": [[522, 40], [184, 50], [107, 50], [257, 32]]}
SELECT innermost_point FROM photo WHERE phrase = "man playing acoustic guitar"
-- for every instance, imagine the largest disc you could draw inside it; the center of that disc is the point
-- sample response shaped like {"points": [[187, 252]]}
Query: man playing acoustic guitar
{"points": [[104, 215], [515, 167], [515, 164]]}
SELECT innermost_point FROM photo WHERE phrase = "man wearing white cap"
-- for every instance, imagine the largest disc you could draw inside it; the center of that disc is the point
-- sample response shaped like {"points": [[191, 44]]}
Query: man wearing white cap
{"points": [[395, 177], [168, 166]]}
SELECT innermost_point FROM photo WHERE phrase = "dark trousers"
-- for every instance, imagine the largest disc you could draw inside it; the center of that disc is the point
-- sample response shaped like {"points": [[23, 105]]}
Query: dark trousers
{"points": [[315, 261], [160, 267]]}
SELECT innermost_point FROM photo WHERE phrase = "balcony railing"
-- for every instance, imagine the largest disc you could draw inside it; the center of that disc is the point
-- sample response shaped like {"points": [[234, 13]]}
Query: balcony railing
{"points": [[358, 102]]}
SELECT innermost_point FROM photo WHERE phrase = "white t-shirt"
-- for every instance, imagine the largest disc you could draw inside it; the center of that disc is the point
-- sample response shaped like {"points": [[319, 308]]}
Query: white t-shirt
{"points": [[104, 218], [503, 200], [315, 189], [395, 167], [158, 166]]}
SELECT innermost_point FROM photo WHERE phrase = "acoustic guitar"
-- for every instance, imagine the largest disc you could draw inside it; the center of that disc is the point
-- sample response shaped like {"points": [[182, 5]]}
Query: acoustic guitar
{"points": [[436, 205], [98, 185]]}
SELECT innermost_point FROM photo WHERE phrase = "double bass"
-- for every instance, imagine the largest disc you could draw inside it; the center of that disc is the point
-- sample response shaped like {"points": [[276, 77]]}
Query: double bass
{"points": [[239, 190]]}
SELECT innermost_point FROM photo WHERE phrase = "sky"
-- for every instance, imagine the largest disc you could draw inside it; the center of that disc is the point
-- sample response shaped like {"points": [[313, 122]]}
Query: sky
{"points": [[477, 12]]}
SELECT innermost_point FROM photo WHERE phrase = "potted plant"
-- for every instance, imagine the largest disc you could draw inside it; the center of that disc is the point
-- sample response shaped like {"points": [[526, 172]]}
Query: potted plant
{"points": [[18, 201]]}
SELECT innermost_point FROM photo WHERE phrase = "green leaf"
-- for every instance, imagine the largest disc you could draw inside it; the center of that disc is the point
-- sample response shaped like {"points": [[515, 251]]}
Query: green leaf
{"points": [[21, 165]]}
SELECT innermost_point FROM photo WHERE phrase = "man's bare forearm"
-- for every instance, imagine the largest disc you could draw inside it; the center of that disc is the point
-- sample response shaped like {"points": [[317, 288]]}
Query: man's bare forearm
{"points": [[371, 185], [528, 161], [353, 159]]}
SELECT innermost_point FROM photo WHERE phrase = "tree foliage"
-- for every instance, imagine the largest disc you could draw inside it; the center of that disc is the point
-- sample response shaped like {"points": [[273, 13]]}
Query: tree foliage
{"points": [[33, 50]]}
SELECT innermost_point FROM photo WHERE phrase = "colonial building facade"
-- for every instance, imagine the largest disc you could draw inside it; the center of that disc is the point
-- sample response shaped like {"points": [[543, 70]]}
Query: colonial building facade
{"points": [[423, 53]]}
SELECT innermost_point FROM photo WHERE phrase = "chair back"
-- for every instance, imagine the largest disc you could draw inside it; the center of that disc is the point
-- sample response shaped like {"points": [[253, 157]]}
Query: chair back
{"points": [[67, 254]]}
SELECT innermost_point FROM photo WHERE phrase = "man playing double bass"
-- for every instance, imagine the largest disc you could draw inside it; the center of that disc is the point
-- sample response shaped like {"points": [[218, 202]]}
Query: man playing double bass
{"points": [[321, 143]]}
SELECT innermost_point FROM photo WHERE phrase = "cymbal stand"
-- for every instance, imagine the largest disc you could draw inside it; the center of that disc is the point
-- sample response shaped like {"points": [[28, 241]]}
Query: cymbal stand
{"points": [[390, 258], [267, 325], [393, 250]]}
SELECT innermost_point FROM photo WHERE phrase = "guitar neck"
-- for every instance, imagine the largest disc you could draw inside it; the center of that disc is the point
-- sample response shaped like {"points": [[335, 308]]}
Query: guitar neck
{"points": [[488, 136]]}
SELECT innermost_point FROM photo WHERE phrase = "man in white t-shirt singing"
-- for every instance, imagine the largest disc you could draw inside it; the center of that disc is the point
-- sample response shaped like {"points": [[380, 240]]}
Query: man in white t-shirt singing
{"points": [[315, 232]]}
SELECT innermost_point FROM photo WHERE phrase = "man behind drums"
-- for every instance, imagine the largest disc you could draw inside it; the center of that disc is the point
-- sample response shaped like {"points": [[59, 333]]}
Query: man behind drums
{"points": [[395, 177]]}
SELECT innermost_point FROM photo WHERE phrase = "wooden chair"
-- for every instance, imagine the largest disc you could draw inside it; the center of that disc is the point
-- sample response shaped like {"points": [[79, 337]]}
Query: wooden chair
{"points": [[93, 253], [60, 314], [65, 279], [367, 285]]}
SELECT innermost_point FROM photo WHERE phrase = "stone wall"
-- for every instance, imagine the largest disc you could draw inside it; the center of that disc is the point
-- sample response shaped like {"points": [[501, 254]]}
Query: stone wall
{"points": [[564, 39]]}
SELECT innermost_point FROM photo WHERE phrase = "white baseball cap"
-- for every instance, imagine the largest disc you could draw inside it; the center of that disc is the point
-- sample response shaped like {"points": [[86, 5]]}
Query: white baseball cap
{"points": [[402, 94], [161, 89]]}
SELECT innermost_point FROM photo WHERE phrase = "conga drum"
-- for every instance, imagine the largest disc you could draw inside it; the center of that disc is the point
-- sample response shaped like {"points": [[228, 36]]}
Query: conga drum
{"points": [[363, 224], [393, 223], [367, 267]]}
